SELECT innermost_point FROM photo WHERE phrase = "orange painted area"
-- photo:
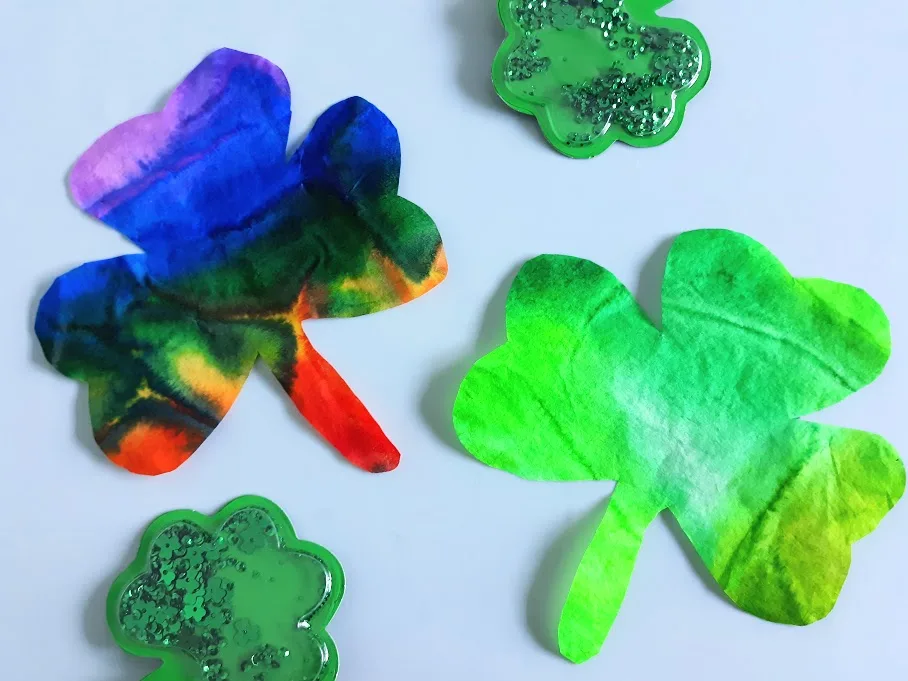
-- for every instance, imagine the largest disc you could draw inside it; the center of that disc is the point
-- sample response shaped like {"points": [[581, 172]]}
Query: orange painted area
{"points": [[327, 402], [150, 449], [301, 310], [438, 272], [406, 289], [385, 283], [323, 397]]}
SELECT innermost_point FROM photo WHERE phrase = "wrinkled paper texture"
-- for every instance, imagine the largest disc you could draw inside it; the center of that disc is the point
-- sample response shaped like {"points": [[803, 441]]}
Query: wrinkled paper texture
{"points": [[240, 246], [700, 418]]}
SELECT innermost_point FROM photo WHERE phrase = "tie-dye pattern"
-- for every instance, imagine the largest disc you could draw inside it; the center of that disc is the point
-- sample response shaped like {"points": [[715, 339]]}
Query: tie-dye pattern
{"points": [[240, 246]]}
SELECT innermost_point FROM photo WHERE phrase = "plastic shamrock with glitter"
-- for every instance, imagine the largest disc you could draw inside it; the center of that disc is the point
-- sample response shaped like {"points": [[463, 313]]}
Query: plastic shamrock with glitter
{"points": [[240, 246], [596, 71], [701, 418], [231, 597]]}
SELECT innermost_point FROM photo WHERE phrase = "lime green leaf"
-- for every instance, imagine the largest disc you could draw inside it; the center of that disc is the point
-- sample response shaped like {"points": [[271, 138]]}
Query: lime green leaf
{"points": [[806, 343], [604, 573], [700, 419], [554, 303], [780, 544]]}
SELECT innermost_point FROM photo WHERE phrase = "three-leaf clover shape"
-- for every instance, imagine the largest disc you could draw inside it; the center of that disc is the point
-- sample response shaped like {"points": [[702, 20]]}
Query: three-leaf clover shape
{"points": [[240, 246], [701, 418], [596, 71], [254, 610]]}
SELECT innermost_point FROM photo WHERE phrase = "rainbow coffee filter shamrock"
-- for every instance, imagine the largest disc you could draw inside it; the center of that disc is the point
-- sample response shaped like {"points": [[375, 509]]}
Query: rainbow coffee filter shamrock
{"points": [[232, 597], [700, 418], [596, 71], [240, 246]]}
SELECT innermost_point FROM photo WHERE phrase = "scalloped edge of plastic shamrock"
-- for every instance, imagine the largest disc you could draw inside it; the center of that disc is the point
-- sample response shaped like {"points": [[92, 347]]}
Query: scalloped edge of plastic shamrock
{"points": [[645, 10], [171, 664]]}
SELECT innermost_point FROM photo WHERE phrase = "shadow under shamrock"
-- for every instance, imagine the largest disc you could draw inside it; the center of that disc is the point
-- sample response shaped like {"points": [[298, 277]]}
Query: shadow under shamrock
{"points": [[552, 581], [97, 632], [264, 372], [649, 284], [437, 403], [83, 433], [549, 589], [693, 558], [479, 33]]}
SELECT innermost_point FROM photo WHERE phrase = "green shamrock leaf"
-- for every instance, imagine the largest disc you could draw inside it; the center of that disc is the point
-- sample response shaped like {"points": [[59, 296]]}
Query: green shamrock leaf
{"points": [[596, 71], [254, 607], [700, 418]]}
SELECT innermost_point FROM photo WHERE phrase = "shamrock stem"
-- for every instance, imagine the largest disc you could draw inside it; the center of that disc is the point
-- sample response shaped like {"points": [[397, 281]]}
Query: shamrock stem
{"points": [[327, 402], [604, 573]]}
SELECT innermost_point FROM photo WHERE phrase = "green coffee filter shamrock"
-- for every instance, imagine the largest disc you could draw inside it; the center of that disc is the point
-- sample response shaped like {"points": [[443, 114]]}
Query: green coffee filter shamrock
{"points": [[232, 597], [701, 418], [596, 71]]}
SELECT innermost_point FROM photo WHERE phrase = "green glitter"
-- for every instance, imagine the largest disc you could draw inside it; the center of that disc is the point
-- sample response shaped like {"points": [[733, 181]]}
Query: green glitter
{"points": [[596, 71], [524, 62], [197, 598]]}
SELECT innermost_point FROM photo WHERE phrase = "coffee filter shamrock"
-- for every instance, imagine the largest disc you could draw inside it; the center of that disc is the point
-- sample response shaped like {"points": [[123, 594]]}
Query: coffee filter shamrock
{"points": [[240, 246], [702, 419]]}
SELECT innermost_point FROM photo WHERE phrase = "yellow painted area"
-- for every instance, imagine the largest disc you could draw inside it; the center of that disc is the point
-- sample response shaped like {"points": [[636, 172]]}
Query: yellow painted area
{"points": [[437, 274], [383, 279], [206, 381], [145, 392]]}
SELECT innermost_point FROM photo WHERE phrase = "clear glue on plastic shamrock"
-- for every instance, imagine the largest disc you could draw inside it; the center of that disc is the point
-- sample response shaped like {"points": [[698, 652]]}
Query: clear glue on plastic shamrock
{"points": [[230, 597], [596, 71]]}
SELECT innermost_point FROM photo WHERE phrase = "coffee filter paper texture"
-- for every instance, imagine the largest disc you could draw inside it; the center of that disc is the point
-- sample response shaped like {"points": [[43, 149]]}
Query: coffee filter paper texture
{"points": [[240, 245], [701, 419]]}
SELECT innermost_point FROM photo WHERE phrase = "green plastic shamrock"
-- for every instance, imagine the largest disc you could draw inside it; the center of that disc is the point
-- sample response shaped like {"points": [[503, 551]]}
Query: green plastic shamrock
{"points": [[235, 596], [701, 419], [596, 71]]}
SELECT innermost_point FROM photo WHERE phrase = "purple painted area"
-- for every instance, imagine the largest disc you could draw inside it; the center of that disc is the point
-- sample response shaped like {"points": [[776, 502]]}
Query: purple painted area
{"points": [[134, 155]]}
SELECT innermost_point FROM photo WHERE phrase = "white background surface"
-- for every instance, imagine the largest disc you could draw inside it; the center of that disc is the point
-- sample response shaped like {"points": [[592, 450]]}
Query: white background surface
{"points": [[455, 571]]}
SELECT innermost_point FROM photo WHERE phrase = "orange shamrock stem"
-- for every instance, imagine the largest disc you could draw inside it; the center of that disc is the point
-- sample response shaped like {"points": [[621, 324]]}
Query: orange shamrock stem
{"points": [[604, 573], [327, 402]]}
